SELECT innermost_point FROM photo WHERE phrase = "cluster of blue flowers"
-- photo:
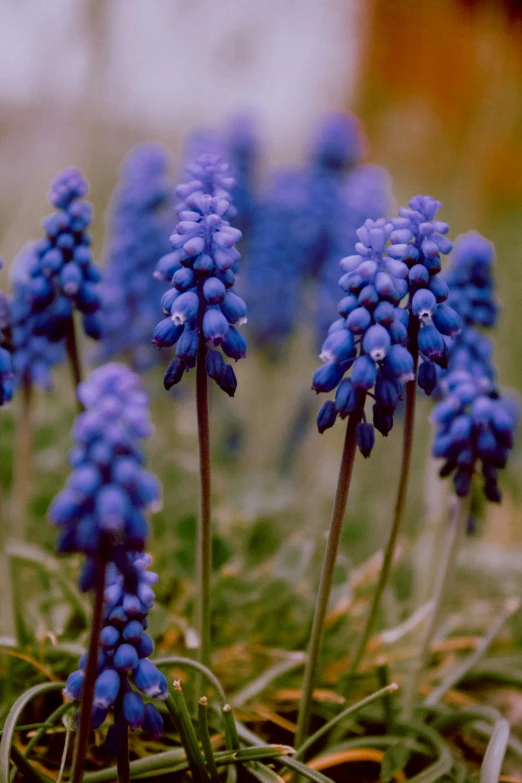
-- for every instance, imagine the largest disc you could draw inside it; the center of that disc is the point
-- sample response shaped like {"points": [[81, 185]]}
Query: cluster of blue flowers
{"points": [[140, 219], [123, 659], [202, 303], [369, 337], [34, 354], [101, 511], [6, 365], [474, 423], [393, 260], [418, 239], [63, 274], [304, 223]]}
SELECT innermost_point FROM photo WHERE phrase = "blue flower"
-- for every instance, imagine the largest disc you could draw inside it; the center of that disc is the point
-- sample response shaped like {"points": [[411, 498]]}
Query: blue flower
{"points": [[367, 337], [474, 430], [6, 364], [63, 275], [202, 305], [34, 353], [140, 218], [470, 280], [101, 511], [126, 648]]}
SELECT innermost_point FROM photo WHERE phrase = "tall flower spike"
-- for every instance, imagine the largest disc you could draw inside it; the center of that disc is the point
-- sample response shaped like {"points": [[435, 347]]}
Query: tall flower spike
{"points": [[6, 365], [418, 240], [101, 511], [201, 267], [369, 337], [123, 658], [140, 219], [34, 354], [63, 275]]}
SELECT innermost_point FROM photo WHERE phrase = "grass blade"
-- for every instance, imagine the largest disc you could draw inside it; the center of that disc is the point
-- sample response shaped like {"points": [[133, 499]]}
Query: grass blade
{"points": [[204, 736], [177, 706], [495, 752]]}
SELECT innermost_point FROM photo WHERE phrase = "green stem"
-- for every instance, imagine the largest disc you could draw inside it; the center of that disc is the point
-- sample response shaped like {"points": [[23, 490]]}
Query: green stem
{"points": [[73, 354], [204, 735], [325, 583], [204, 543], [178, 709], [398, 512], [91, 669], [456, 528], [22, 463]]}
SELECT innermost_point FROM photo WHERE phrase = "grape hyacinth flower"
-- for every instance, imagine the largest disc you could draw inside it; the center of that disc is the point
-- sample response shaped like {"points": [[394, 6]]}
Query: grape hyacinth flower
{"points": [[101, 514], [202, 307], [63, 275], [418, 240], [123, 660], [474, 429], [470, 280], [34, 354], [101, 511], [139, 224], [369, 337]]}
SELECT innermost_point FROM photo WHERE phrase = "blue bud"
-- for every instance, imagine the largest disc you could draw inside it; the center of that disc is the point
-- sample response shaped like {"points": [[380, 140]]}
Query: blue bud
{"points": [[183, 279], [419, 276], [132, 631], [133, 709], [234, 309], [438, 288], [109, 637], [93, 325], [386, 393], [215, 326], [461, 429], [106, 689], [125, 658], [213, 290], [71, 278], [115, 739], [382, 419], [447, 320], [112, 508], [173, 374], [228, 382], [365, 435], [234, 345], [385, 286], [185, 308], [166, 333], [368, 297], [431, 342], [65, 508], [364, 373], [337, 347], [145, 646], [347, 304], [376, 342], [399, 363], [427, 376], [187, 348], [384, 313], [462, 482], [167, 266], [204, 264], [326, 416], [168, 299], [215, 366], [348, 399], [74, 685], [152, 722], [423, 304], [327, 377], [359, 320], [85, 480], [98, 716], [149, 680]]}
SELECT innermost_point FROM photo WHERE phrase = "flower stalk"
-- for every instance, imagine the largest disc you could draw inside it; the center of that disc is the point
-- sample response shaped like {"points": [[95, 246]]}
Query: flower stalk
{"points": [[73, 355], [82, 738], [204, 537], [325, 584]]}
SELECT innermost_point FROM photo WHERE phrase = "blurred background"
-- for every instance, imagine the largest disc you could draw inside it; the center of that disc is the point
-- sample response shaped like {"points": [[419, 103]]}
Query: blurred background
{"points": [[437, 86]]}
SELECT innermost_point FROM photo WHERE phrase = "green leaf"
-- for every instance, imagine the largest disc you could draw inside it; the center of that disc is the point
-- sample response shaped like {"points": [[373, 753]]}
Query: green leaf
{"points": [[495, 752], [394, 760], [12, 719]]}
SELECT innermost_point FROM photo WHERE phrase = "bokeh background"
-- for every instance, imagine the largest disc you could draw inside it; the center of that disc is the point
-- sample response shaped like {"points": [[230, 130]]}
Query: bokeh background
{"points": [[437, 85]]}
